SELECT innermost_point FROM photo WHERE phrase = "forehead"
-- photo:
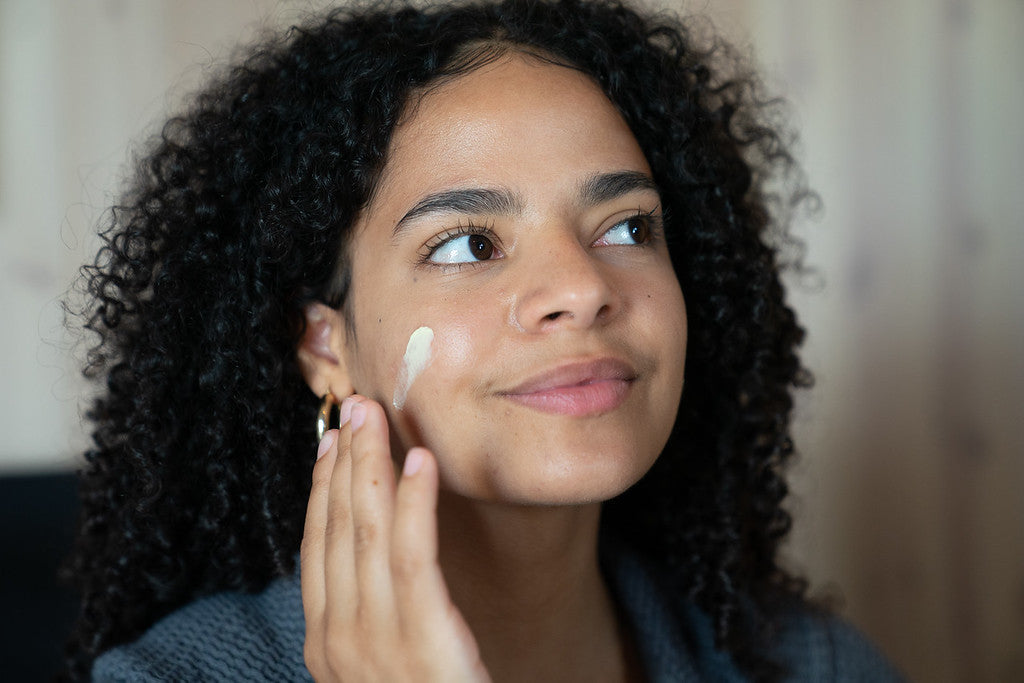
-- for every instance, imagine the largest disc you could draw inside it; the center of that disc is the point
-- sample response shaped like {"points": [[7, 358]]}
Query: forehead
{"points": [[517, 123]]}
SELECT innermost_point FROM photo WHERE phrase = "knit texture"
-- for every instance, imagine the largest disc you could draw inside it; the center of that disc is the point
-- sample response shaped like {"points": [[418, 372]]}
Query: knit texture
{"points": [[224, 637], [241, 637]]}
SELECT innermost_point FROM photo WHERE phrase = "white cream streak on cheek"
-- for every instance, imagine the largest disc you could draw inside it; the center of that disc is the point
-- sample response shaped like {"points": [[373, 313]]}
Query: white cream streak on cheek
{"points": [[417, 357]]}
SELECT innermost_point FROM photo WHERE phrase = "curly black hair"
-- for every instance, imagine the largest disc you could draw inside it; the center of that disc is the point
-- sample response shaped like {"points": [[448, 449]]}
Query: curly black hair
{"points": [[237, 218]]}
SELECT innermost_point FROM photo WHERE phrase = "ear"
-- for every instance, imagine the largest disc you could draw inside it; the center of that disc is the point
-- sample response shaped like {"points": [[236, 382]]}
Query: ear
{"points": [[322, 350]]}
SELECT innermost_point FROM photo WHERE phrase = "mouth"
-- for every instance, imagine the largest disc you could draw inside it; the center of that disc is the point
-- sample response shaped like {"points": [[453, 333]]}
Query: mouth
{"points": [[576, 389]]}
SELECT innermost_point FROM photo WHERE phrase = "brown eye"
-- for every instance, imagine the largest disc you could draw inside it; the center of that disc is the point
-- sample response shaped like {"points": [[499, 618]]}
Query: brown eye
{"points": [[631, 231], [481, 247], [465, 248], [639, 229]]}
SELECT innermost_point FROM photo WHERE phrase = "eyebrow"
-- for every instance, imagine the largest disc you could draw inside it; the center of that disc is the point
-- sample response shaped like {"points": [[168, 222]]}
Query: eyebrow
{"points": [[607, 186], [599, 188], [472, 201]]}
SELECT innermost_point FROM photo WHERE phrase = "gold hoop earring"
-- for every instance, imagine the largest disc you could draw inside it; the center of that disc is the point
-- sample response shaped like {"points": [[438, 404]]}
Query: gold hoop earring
{"points": [[323, 418]]}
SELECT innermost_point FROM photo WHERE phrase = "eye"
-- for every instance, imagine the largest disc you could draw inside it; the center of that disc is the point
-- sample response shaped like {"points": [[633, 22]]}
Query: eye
{"points": [[463, 249], [633, 230]]}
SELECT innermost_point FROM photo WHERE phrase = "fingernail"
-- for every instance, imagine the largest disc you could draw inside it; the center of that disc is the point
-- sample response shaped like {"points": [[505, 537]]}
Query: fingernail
{"points": [[358, 416], [345, 411], [326, 443], [413, 462]]}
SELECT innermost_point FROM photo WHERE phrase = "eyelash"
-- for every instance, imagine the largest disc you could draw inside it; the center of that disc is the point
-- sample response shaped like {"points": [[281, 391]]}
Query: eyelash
{"points": [[652, 221], [460, 230]]}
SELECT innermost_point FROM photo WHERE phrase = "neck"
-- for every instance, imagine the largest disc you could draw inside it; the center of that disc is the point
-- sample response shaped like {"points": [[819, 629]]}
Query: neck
{"points": [[528, 583]]}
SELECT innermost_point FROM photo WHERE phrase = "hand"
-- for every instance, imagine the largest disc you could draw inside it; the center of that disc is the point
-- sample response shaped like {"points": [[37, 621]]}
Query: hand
{"points": [[376, 604]]}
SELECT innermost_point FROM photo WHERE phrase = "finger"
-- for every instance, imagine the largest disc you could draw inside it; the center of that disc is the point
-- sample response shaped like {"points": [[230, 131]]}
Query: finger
{"points": [[373, 490], [427, 615], [339, 568], [420, 592], [312, 548]]}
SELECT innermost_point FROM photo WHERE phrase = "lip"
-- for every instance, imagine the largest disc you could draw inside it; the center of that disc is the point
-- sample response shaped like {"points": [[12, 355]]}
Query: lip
{"points": [[578, 389]]}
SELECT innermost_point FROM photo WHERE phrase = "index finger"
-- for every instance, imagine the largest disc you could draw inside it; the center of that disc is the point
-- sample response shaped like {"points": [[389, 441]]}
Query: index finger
{"points": [[312, 549]]}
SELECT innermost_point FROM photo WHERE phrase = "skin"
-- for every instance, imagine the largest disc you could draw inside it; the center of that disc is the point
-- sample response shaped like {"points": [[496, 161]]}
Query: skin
{"points": [[499, 498]]}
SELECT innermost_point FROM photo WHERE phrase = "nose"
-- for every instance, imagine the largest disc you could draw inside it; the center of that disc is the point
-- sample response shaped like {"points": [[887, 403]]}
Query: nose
{"points": [[564, 286]]}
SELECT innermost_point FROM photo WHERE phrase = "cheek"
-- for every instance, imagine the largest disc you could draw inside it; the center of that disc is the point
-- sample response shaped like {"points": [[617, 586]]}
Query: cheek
{"points": [[675, 306], [453, 352], [419, 353], [445, 388], [662, 309], [454, 347], [375, 359], [665, 323], [464, 349], [374, 366]]}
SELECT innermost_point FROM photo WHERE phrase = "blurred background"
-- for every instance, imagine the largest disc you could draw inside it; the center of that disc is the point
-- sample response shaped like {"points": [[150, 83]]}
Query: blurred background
{"points": [[908, 492]]}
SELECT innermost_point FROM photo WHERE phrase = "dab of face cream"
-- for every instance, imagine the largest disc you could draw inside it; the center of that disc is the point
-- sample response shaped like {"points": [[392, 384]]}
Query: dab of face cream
{"points": [[417, 357]]}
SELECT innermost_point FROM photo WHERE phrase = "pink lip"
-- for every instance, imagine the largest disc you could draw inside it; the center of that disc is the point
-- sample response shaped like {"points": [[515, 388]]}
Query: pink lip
{"points": [[577, 389]]}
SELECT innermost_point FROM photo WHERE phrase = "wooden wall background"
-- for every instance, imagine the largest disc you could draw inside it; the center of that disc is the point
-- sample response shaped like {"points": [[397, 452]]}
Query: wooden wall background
{"points": [[909, 491]]}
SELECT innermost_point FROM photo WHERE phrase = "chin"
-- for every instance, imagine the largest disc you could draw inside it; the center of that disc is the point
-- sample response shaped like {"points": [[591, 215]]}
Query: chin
{"points": [[573, 480]]}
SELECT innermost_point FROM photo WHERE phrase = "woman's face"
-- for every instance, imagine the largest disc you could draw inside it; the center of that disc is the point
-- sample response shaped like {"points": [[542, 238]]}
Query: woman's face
{"points": [[516, 219]]}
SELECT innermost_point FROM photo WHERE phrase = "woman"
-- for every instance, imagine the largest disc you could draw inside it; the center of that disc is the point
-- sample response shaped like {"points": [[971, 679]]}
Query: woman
{"points": [[475, 225]]}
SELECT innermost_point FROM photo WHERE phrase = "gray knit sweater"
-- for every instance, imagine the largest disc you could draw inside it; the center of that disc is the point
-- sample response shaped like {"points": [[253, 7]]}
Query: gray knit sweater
{"points": [[240, 637]]}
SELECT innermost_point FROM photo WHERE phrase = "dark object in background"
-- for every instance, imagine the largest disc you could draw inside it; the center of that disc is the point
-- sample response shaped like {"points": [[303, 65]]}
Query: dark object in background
{"points": [[37, 526]]}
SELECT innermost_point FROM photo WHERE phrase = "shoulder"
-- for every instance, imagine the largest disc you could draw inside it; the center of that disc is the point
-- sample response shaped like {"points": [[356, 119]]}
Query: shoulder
{"points": [[811, 644], [818, 646], [227, 636], [675, 639]]}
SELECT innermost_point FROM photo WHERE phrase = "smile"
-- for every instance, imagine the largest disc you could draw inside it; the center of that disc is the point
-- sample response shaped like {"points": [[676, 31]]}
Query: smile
{"points": [[578, 390]]}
